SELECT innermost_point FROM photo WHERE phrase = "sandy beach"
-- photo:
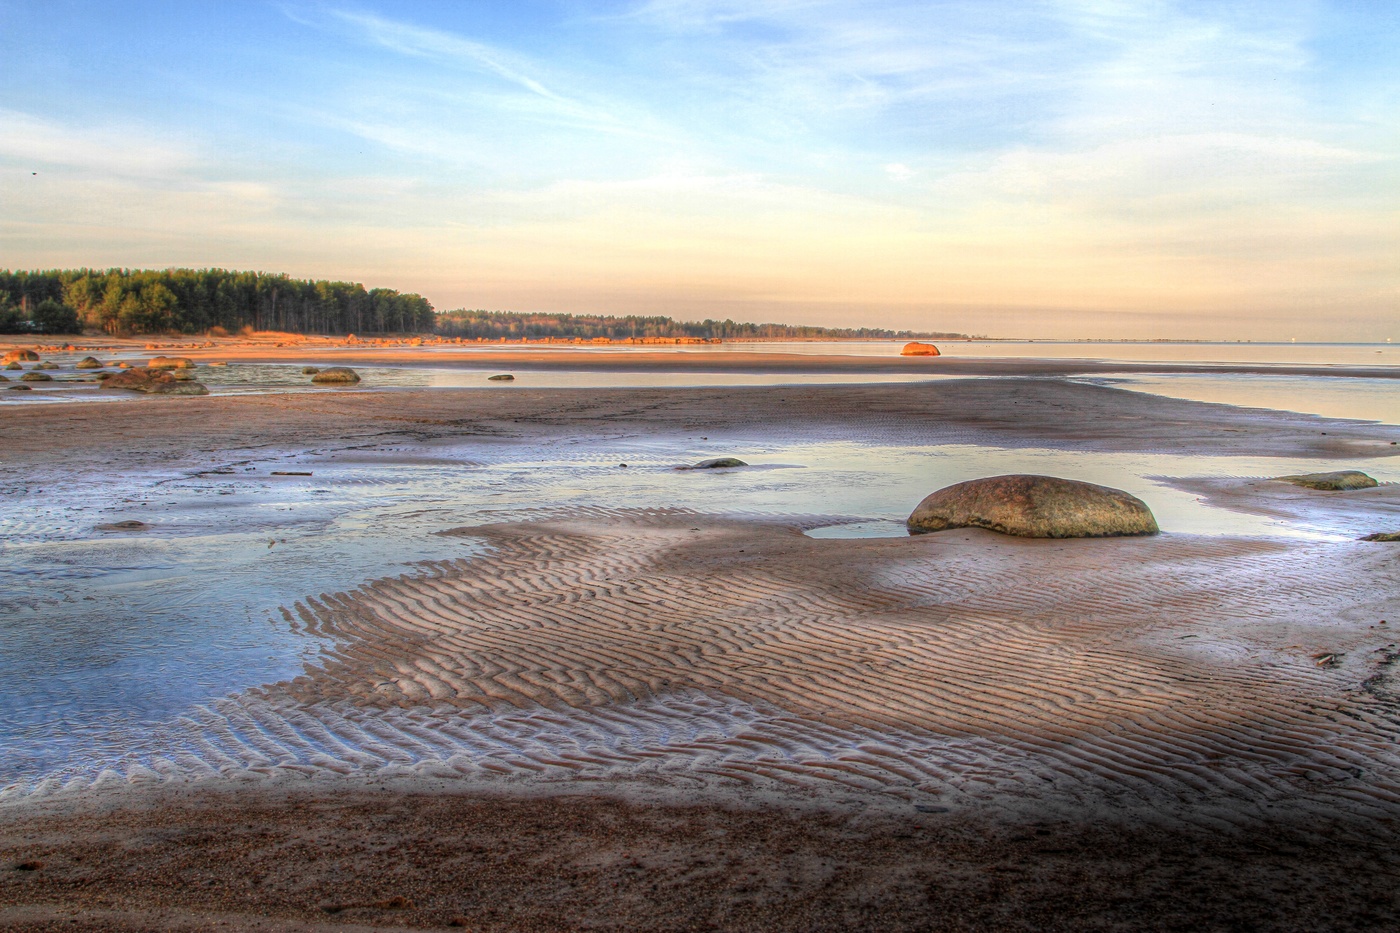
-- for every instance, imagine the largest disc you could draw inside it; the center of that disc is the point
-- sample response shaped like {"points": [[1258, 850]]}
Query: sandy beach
{"points": [[647, 716]]}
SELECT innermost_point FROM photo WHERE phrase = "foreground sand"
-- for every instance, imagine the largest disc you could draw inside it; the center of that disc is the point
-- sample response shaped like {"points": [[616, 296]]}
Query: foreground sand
{"points": [[654, 719]]}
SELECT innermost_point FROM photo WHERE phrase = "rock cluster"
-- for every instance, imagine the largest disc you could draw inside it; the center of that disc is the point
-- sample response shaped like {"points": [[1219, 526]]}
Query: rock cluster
{"points": [[1034, 507], [154, 382]]}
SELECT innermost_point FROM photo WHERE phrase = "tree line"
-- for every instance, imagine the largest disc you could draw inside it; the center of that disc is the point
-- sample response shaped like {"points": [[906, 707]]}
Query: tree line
{"points": [[193, 301], [144, 301], [493, 325]]}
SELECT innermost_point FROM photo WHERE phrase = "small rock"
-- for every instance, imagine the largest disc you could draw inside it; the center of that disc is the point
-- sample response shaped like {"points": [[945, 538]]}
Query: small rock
{"points": [[88, 362], [309, 370], [1383, 536], [220, 363], [36, 377], [717, 463], [1031, 506], [128, 525], [47, 364], [336, 375], [1339, 481], [20, 388], [13, 365], [170, 362], [503, 377]]}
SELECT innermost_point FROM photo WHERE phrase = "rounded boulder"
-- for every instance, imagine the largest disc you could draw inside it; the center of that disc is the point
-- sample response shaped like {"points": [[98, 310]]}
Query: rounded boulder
{"points": [[170, 362], [915, 348], [337, 375], [1031, 506], [1339, 481]]}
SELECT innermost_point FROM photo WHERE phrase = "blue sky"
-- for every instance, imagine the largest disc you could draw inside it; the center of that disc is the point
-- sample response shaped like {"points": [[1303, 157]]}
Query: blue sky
{"points": [[1075, 168]]}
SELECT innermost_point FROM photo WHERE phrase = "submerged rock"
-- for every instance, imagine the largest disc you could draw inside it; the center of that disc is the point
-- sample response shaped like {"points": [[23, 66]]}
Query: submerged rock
{"points": [[915, 348], [718, 463], [13, 365], [1034, 507], [36, 377], [1339, 481], [309, 370], [47, 364], [88, 362], [16, 356], [1383, 536], [503, 377], [337, 375], [20, 388], [170, 362]]}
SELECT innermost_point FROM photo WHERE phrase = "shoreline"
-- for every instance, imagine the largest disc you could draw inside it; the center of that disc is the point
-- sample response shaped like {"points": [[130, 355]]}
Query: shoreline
{"points": [[649, 718]]}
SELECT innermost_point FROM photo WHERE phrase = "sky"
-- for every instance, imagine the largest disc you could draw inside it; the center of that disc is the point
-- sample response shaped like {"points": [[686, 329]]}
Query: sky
{"points": [[1036, 168]]}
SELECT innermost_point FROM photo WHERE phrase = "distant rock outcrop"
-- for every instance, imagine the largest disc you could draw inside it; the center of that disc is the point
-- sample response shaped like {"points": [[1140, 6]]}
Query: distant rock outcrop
{"points": [[919, 349], [1034, 507], [336, 375], [1338, 481], [503, 377]]}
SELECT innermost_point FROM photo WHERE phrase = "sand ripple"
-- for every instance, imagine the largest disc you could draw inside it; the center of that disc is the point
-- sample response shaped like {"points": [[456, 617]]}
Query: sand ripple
{"points": [[1174, 674]]}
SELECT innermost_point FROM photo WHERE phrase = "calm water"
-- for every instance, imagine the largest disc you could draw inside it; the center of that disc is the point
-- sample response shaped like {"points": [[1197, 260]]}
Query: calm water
{"points": [[110, 634], [107, 635], [1282, 353]]}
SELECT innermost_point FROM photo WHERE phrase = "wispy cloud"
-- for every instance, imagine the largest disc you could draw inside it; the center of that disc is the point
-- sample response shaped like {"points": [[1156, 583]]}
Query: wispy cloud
{"points": [[116, 150]]}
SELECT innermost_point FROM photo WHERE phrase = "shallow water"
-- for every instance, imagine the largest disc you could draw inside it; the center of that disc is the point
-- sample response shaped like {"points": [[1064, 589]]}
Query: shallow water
{"points": [[110, 634], [1281, 353], [1355, 398]]}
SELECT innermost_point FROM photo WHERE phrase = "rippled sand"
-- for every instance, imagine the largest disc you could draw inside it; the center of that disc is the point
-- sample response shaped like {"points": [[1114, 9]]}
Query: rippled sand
{"points": [[661, 719]]}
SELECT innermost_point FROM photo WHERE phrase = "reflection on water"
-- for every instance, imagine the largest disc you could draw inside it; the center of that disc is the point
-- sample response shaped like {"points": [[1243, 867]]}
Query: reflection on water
{"points": [[1359, 399], [107, 634]]}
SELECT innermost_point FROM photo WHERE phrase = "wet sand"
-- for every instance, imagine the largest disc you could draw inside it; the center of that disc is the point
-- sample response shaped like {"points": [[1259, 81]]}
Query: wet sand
{"points": [[659, 719]]}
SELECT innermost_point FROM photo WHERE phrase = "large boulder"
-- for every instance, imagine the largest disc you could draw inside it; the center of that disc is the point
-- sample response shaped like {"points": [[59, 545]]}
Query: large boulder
{"points": [[336, 375], [1034, 507], [19, 356], [1339, 481], [915, 348], [153, 382]]}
